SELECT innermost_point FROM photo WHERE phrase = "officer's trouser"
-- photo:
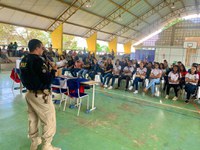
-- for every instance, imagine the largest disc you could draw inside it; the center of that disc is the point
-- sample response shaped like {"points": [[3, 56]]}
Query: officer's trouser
{"points": [[45, 112]]}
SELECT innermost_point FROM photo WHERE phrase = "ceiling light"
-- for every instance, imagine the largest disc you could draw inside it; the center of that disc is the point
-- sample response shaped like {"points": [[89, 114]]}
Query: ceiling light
{"points": [[119, 18], [89, 3], [173, 6]]}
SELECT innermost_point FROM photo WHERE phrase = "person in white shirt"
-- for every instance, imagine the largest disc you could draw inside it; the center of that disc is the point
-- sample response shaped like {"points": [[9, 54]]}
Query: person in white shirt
{"points": [[127, 73], [174, 79], [139, 77], [191, 80], [115, 74], [155, 76]]}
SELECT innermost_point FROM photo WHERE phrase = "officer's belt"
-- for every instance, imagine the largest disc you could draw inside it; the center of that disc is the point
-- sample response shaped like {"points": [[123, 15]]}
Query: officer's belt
{"points": [[46, 91]]}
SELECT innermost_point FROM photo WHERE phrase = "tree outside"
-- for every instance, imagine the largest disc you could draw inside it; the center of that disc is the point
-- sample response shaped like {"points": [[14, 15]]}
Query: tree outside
{"points": [[102, 48], [69, 42], [21, 35]]}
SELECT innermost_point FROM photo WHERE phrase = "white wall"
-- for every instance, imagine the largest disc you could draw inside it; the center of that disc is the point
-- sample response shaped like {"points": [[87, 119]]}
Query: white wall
{"points": [[172, 54]]}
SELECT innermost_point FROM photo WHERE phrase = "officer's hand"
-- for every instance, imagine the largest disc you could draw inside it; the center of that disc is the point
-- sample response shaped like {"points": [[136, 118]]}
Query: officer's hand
{"points": [[54, 67]]}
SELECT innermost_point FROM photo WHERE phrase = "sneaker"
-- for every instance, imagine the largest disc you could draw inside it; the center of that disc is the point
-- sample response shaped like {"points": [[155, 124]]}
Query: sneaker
{"points": [[175, 98], [130, 88], [105, 86], [110, 88], [50, 147], [167, 97], [136, 92], [187, 101], [36, 143]]}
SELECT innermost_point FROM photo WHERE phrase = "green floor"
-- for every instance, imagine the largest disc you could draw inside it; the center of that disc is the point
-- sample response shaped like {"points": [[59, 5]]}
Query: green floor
{"points": [[121, 121]]}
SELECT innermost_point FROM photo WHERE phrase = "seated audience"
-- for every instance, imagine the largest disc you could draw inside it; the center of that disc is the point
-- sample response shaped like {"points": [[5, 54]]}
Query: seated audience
{"points": [[126, 74], [139, 77], [107, 72], [77, 67], [183, 72], [69, 66], [115, 74], [191, 80], [4, 57], [95, 68], [174, 79], [86, 67], [155, 76], [167, 70]]}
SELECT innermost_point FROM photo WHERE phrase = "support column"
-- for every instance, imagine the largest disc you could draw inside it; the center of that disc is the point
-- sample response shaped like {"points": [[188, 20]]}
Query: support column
{"points": [[57, 38], [91, 43], [113, 45], [127, 47]]}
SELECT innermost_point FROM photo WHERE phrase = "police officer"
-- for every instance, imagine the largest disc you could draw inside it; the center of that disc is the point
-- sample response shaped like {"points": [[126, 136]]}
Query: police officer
{"points": [[36, 77]]}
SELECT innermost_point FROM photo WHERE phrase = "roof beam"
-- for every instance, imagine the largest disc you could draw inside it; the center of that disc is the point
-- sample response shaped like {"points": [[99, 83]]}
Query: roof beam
{"points": [[197, 5], [25, 11], [66, 14], [112, 16], [134, 23], [183, 3], [102, 17], [47, 17], [168, 17], [153, 8], [125, 9]]}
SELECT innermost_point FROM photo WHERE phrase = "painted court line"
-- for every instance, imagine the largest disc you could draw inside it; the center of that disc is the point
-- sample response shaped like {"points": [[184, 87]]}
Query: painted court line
{"points": [[167, 105]]}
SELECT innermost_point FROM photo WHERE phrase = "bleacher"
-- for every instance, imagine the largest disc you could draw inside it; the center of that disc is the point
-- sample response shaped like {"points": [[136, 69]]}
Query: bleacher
{"points": [[8, 66]]}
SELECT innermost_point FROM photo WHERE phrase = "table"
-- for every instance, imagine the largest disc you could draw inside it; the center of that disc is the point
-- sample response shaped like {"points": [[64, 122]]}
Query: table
{"points": [[93, 83]]}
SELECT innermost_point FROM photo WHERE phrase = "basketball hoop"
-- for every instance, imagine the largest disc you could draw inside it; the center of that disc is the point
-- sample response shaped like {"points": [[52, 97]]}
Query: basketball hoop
{"points": [[190, 45]]}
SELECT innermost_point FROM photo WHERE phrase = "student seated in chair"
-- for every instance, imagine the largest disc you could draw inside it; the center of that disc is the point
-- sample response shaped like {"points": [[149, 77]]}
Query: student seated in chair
{"points": [[126, 74], [107, 72], [115, 74], [86, 67], [140, 76], [69, 65], [183, 73], [174, 80], [191, 80], [95, 68], [155, 76]]}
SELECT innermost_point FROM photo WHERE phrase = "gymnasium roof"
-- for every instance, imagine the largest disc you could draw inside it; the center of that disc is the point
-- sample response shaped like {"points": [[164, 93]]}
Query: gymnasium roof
{"points": [[129, 20]]}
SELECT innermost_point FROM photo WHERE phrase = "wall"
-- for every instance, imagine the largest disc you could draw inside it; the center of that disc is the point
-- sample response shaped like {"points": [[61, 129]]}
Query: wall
{"points": [[172, 54]]}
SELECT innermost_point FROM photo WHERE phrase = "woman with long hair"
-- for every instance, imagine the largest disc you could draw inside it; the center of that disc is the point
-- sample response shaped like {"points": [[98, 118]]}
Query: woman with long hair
{"points": [[115, 73], [191, 80], [174, 79], [155, 76], [107, 72], [183, 72]]}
